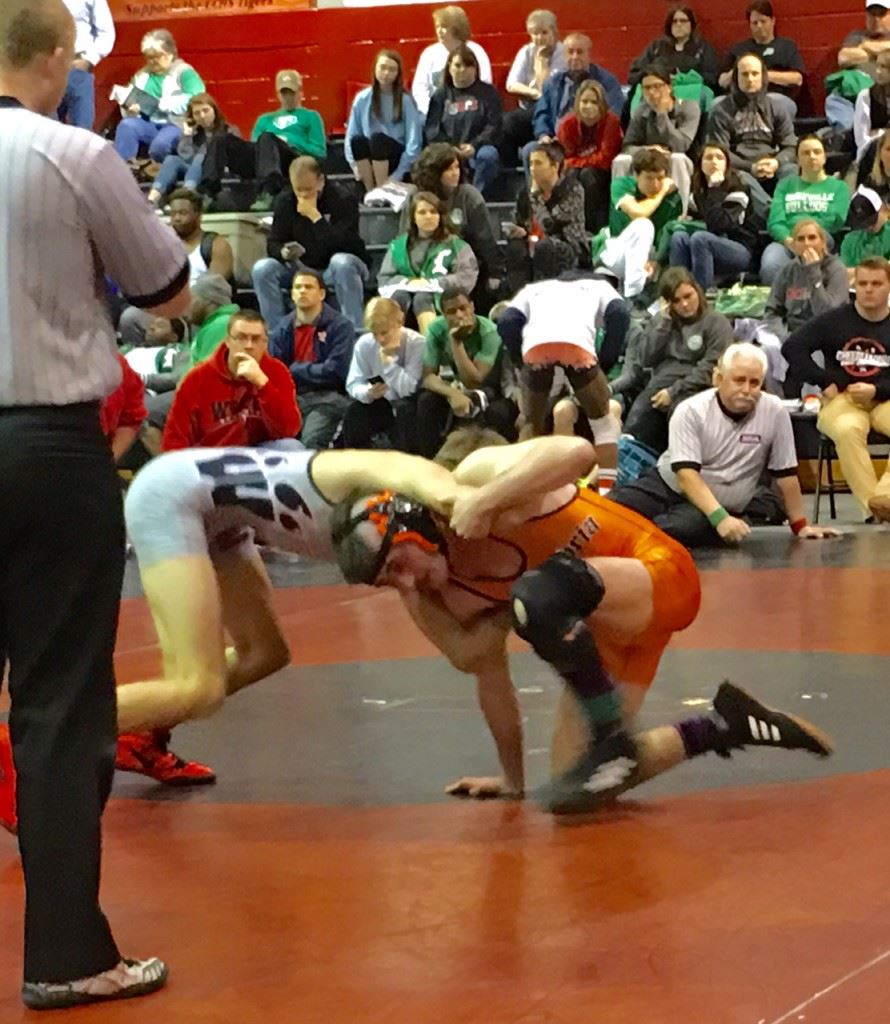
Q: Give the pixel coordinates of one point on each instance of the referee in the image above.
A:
(70, 215)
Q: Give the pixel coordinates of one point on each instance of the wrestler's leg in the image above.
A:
(258, 644)
(184, 600)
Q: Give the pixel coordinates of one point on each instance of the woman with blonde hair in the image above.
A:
(591, 137)
(452, 30)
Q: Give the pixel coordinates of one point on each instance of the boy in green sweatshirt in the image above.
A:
(869, 223)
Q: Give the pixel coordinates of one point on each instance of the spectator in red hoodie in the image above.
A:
(239, 396)
(123, 411)
(591, 137)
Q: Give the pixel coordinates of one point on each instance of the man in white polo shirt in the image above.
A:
(721, 440)
(70, 216)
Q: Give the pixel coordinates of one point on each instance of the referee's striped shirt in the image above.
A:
(70, 215)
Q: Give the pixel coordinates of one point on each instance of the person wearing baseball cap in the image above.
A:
(278, 137)
(869, 223)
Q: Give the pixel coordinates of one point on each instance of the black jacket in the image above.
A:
(470, 115)
(337, 231)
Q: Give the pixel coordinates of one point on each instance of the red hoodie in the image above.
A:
(124, 407)
(213, 409)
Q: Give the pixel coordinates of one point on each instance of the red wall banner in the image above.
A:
(125, 10)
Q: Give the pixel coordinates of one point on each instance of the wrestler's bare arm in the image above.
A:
(338, 473)
(479, 648)
(518, 480)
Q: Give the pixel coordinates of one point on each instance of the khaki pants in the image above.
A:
(848, 424)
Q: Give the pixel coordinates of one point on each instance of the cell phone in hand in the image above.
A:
(375, 379)
(295, 250)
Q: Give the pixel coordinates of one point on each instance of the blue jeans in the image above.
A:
(706, 255)
(486, 163)
(78, 106)
(132, 132)
(346, 275)
(175, 168)
(839, 111)
(775, 256)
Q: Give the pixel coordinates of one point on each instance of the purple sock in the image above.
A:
(701, 736)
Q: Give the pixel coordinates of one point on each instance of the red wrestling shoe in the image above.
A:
(8, 817)
(147, 753)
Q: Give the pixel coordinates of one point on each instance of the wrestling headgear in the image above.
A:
(398, 520)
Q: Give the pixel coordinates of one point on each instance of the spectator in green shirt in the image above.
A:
(641, 205)
(209, 316)
(869, 222)
(462, 372)
(811, 195)
(277, 139)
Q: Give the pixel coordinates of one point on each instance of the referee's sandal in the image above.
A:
(130, 978)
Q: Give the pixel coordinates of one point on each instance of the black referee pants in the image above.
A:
(61, 567)
(672, 512)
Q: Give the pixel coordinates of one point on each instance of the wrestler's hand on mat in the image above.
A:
(484, 788)
(733, 530)
(470, 516)
(819, 532)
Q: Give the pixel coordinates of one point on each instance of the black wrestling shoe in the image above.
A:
(752, 724)
(607, 769)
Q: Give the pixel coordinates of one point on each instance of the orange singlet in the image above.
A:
(591, 526)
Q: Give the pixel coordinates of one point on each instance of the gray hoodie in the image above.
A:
(675, 129)
(804, 290)
(681, 357)
(751, 126)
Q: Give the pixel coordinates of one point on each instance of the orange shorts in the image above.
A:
(676, 598)
(560, 353)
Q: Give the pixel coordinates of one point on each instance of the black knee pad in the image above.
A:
(548, 601)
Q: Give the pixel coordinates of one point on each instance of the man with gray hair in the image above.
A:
(70, 216)
(720, 442)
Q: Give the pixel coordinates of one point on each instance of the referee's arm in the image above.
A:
(143, 256)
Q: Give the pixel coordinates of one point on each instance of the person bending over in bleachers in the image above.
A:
(428, 259)
(854, 341)
(316, 342)
(554, 324)
(721, 442)
(452, 30)
(314, 226)
(384, 377)
(680, 348)
(548, 236)
(720, 201)
(240, 396)
(438, 170)
(755, 127)
(462, 375)
(157, 100)
(277, 139)
(591, 137)
(532, 66)
(810, 194)
(811, 283)
(642, 205)
(384, 134)
(663, 122)
(467, 111)
(203, 120)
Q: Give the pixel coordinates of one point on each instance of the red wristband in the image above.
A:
(798, 525)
